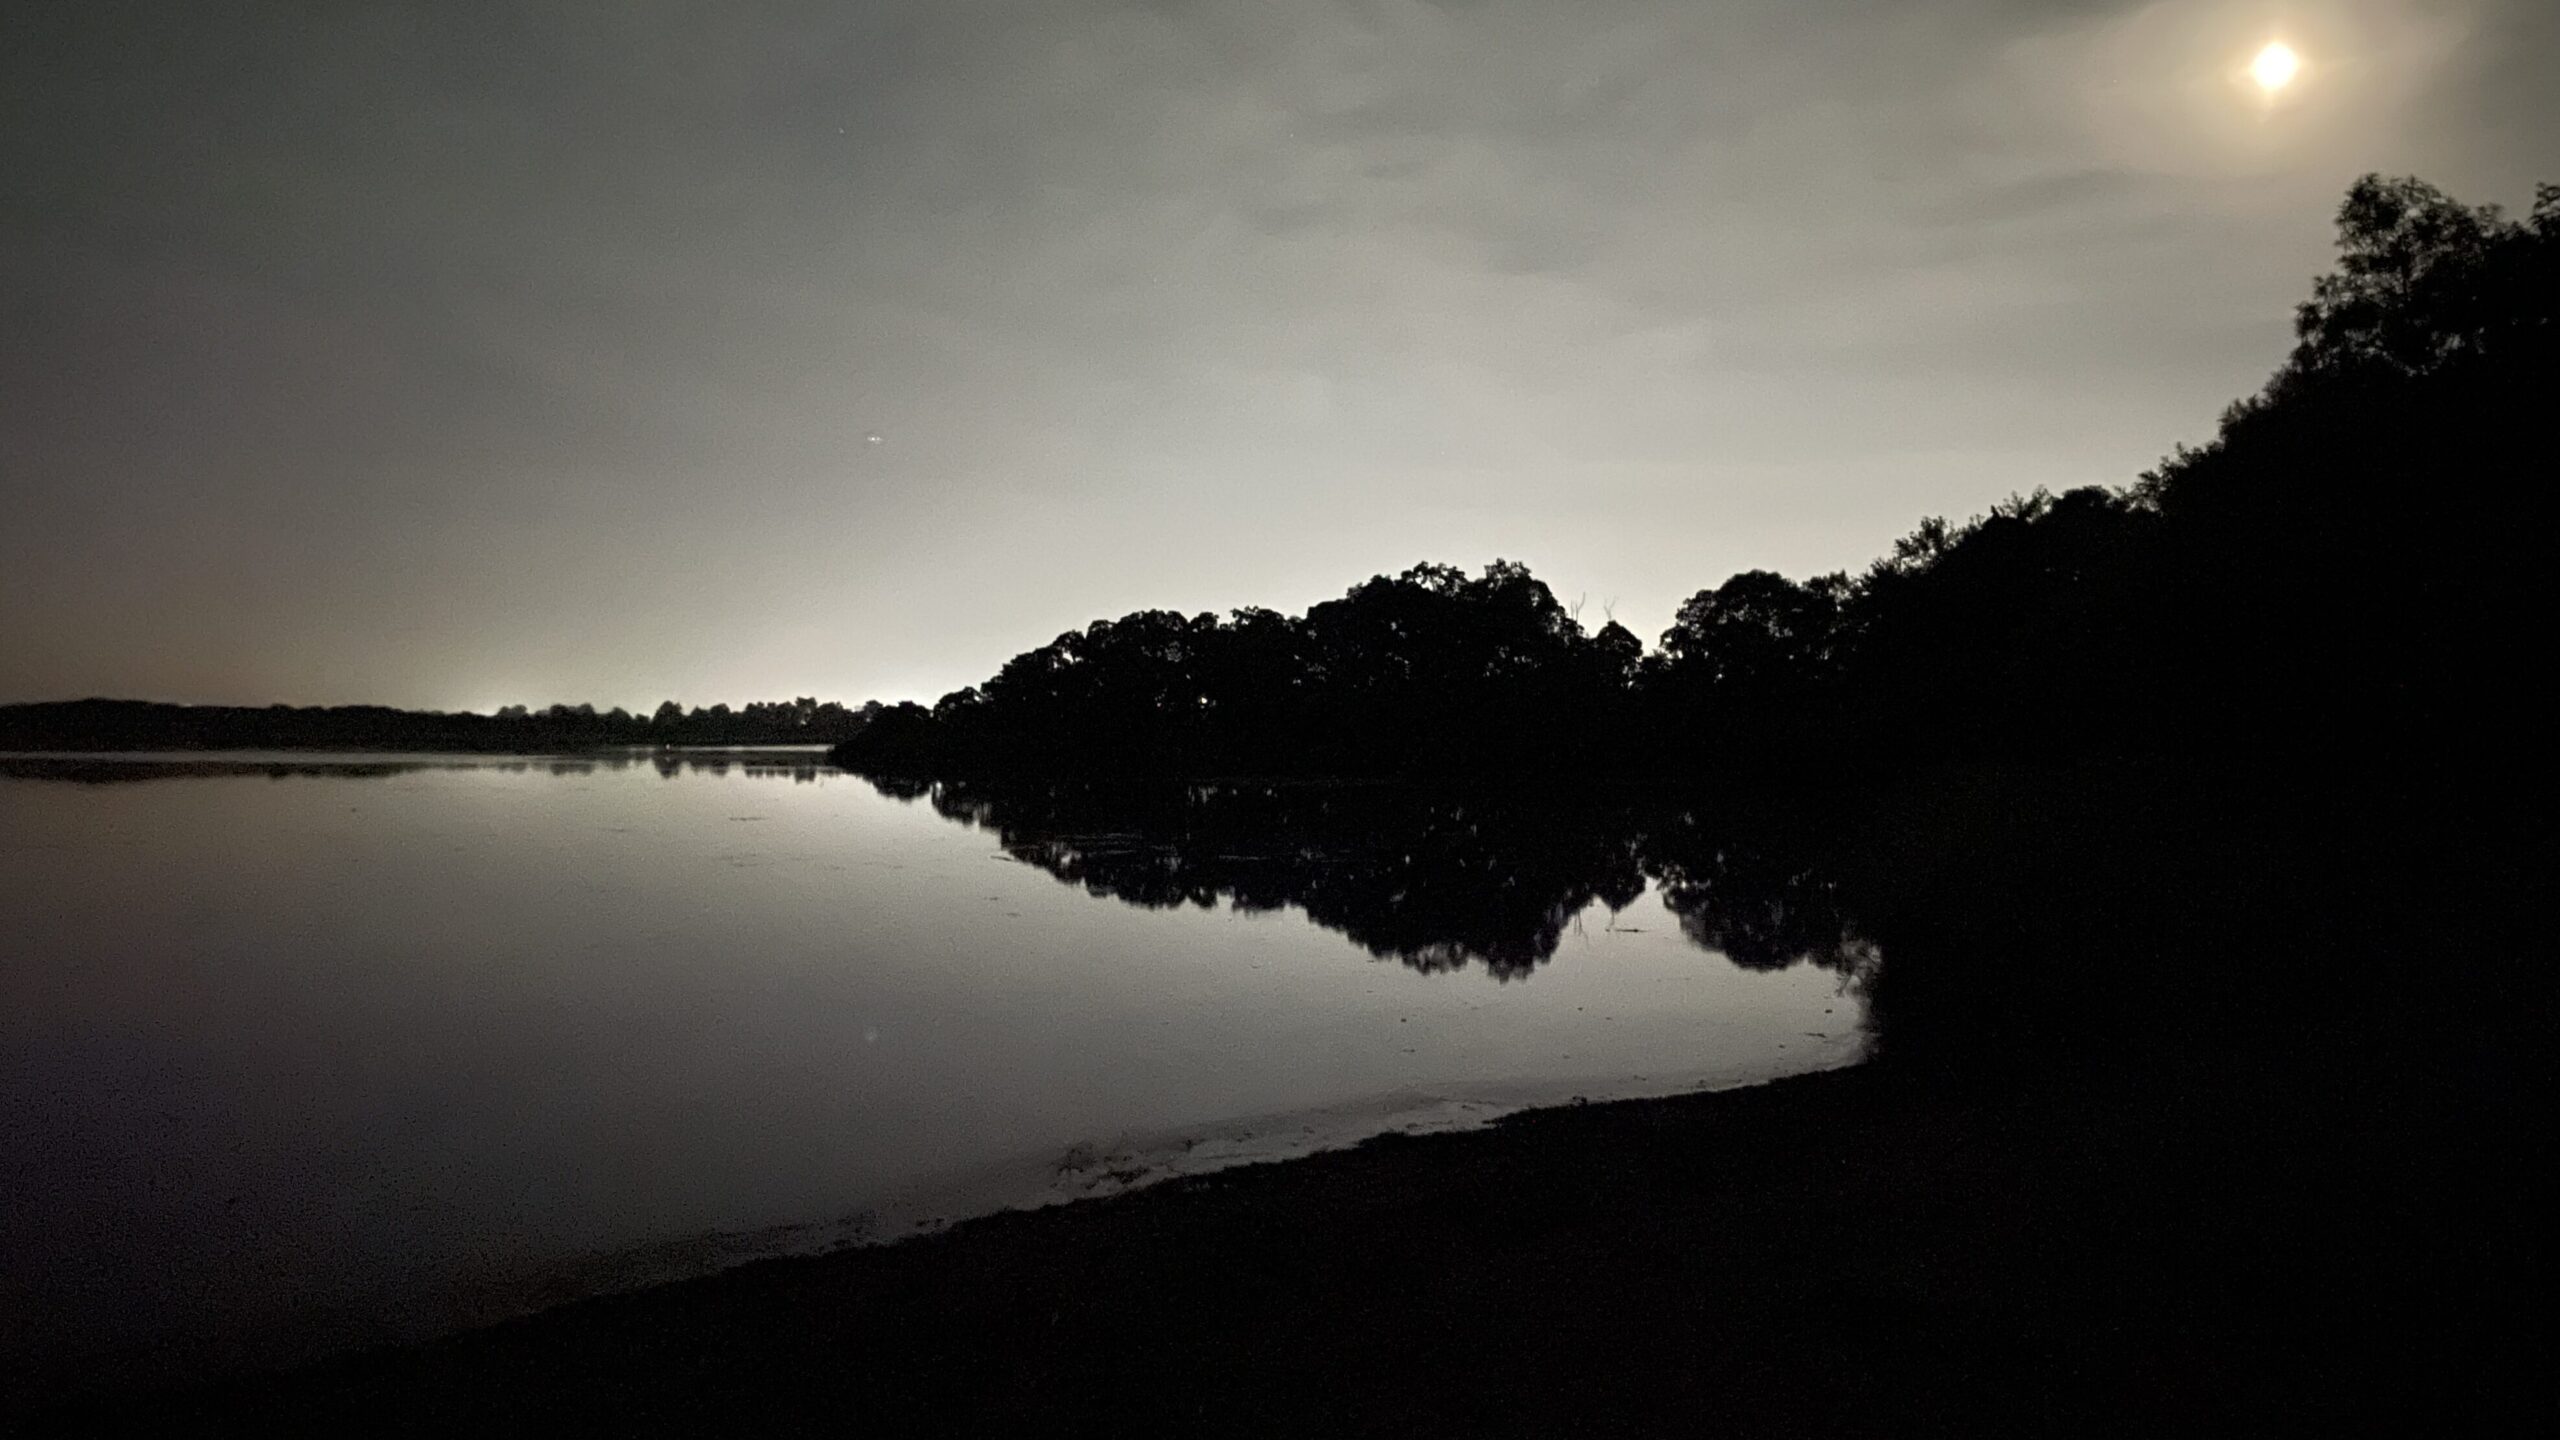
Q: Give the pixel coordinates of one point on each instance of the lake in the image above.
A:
(307, 1051)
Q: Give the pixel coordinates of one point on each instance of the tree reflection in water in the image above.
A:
(800, 766)
(1437, 880)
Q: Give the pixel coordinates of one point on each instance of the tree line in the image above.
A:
(140, 724)
(2340, 577)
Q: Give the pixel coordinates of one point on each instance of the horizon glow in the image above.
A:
(849, 350)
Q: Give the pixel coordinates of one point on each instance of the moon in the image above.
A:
(2275, 67)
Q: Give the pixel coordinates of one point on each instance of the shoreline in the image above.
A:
(439, 1308)
(1847, 1251)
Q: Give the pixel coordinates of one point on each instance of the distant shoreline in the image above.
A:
(143, 764)
(125, 725)
(145, 752)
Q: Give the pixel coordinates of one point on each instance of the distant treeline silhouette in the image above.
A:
(2345, 573)
(145, 725)
(800, 767)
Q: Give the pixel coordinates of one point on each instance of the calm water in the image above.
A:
(300, 1051)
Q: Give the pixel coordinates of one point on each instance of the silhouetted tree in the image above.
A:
(2327, 613)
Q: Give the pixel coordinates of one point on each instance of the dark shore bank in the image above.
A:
(1857, 1252)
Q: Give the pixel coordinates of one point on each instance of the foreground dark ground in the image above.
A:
(1854, 1252)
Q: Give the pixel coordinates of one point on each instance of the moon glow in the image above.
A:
(2275, 67)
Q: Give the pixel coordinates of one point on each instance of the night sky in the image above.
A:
(457, 354)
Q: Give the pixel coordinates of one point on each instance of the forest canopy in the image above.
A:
(2339, 573)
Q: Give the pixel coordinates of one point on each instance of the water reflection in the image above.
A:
(1757, 904)
(289, 1060)
(801, 770)
(1435, 880)
(800, 765)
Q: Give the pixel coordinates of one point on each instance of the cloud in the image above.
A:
(574, 301)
